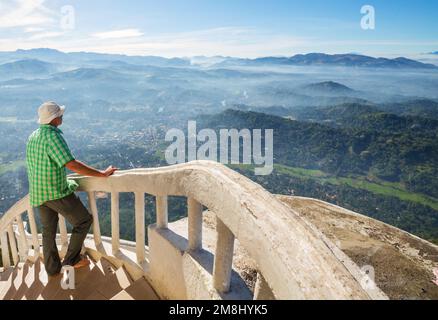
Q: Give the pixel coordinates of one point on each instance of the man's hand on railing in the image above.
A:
(110, 171)
(83, 169)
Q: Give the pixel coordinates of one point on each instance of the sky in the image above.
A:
(240, 28)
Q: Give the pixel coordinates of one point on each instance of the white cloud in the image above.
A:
(236, 41)
(226, 41)
(45, 35)
(118, 34)
(33, 29)
(24, 13)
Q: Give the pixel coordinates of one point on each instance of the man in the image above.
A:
(51, 193)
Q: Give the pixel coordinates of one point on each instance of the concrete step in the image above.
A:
(139, 290)
(80, 276)
(53, 289)
(96, 277)
(115, 283)
(16, 287)
(96, 295)
(22, 282)
(98, 281)
(6, 279)
(35, 280)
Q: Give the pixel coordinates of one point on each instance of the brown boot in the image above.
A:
(82, 263)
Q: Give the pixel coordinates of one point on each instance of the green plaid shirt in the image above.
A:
(46, 156)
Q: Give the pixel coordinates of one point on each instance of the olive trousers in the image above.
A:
(72, 209)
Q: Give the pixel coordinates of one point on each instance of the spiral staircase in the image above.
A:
(294, 260)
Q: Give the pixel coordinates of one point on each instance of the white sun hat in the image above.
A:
(49, 111)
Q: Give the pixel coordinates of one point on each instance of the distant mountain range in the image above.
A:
(311, 59)
(322, 59)
(29, 67)
(328, 87)
(55, 56)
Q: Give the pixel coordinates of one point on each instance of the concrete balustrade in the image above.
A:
(262, 291)
(13, 244)
(64, 237)
(115, 222)
(34, 232)
(96, 225)
(162, 212)
(5, 250)
(195, 224)
(140, 226)
(180, 268)
(223, 258)
(23, 247)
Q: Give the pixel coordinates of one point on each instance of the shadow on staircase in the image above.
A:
(98, 281)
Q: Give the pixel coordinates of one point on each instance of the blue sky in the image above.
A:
(244, 28)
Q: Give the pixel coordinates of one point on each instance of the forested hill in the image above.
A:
(390, 175)
(368, 117)
(392, 155)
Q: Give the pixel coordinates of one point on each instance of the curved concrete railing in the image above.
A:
(293, 261)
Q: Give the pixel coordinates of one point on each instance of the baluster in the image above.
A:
(5, 250)
(63, 232)
(23, 246)
(115, 228)
(95, 214)
(13, 244)
(195, 224)
(262, 291)
(34, 232)
(139, 226)
(223, 259)
(162, 212)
